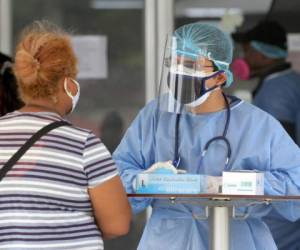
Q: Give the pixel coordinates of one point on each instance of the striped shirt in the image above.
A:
(44, 201)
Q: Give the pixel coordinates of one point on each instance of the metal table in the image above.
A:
(219, 208)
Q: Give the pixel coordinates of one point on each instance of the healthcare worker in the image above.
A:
(190, 116)
(278, 89)
(278, 93)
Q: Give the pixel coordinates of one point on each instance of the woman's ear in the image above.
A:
(221, 78)
(61, 84)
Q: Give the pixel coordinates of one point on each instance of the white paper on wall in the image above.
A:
(91, 51)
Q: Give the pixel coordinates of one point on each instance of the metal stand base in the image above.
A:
(219, 228)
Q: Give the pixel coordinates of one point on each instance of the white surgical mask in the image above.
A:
(73, 98)
(201, 99)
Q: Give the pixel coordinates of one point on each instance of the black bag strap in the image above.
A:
(9, 164)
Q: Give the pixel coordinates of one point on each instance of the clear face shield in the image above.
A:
(185, 79)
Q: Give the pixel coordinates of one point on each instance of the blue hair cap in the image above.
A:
(199, 39)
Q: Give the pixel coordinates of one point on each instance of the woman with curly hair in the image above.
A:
(64, 192)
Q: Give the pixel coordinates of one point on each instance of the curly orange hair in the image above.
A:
(44, 55)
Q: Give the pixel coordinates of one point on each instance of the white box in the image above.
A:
(243, 182)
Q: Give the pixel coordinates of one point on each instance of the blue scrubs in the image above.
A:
(285, 233)
(258, 142)
(280, 96)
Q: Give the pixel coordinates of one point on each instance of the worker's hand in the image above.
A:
(213, 184)
(163, 167)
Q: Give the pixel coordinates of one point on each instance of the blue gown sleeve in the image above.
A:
(136, 153)
(284, 173)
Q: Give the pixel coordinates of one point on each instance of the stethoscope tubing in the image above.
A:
(222, 137)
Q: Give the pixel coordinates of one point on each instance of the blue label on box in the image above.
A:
(169, 184)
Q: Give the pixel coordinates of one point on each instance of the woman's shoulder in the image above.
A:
(33, 121)
(81, 133)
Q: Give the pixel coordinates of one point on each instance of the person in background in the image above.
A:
(9, 98)
(111, 130)
(64, 192)
(278, 93)
(278, 90)
(196, 127)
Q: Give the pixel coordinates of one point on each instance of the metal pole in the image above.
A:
(165, 26)
(150, 49)
(5, 26)
(159, 21)
(219, 228)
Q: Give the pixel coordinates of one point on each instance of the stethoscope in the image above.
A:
(222, 137)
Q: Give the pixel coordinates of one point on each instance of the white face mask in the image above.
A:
(201, 99)
(73, 98)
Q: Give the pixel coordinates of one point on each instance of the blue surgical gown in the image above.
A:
(258, 142)
(279, 95)
(285, 233)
